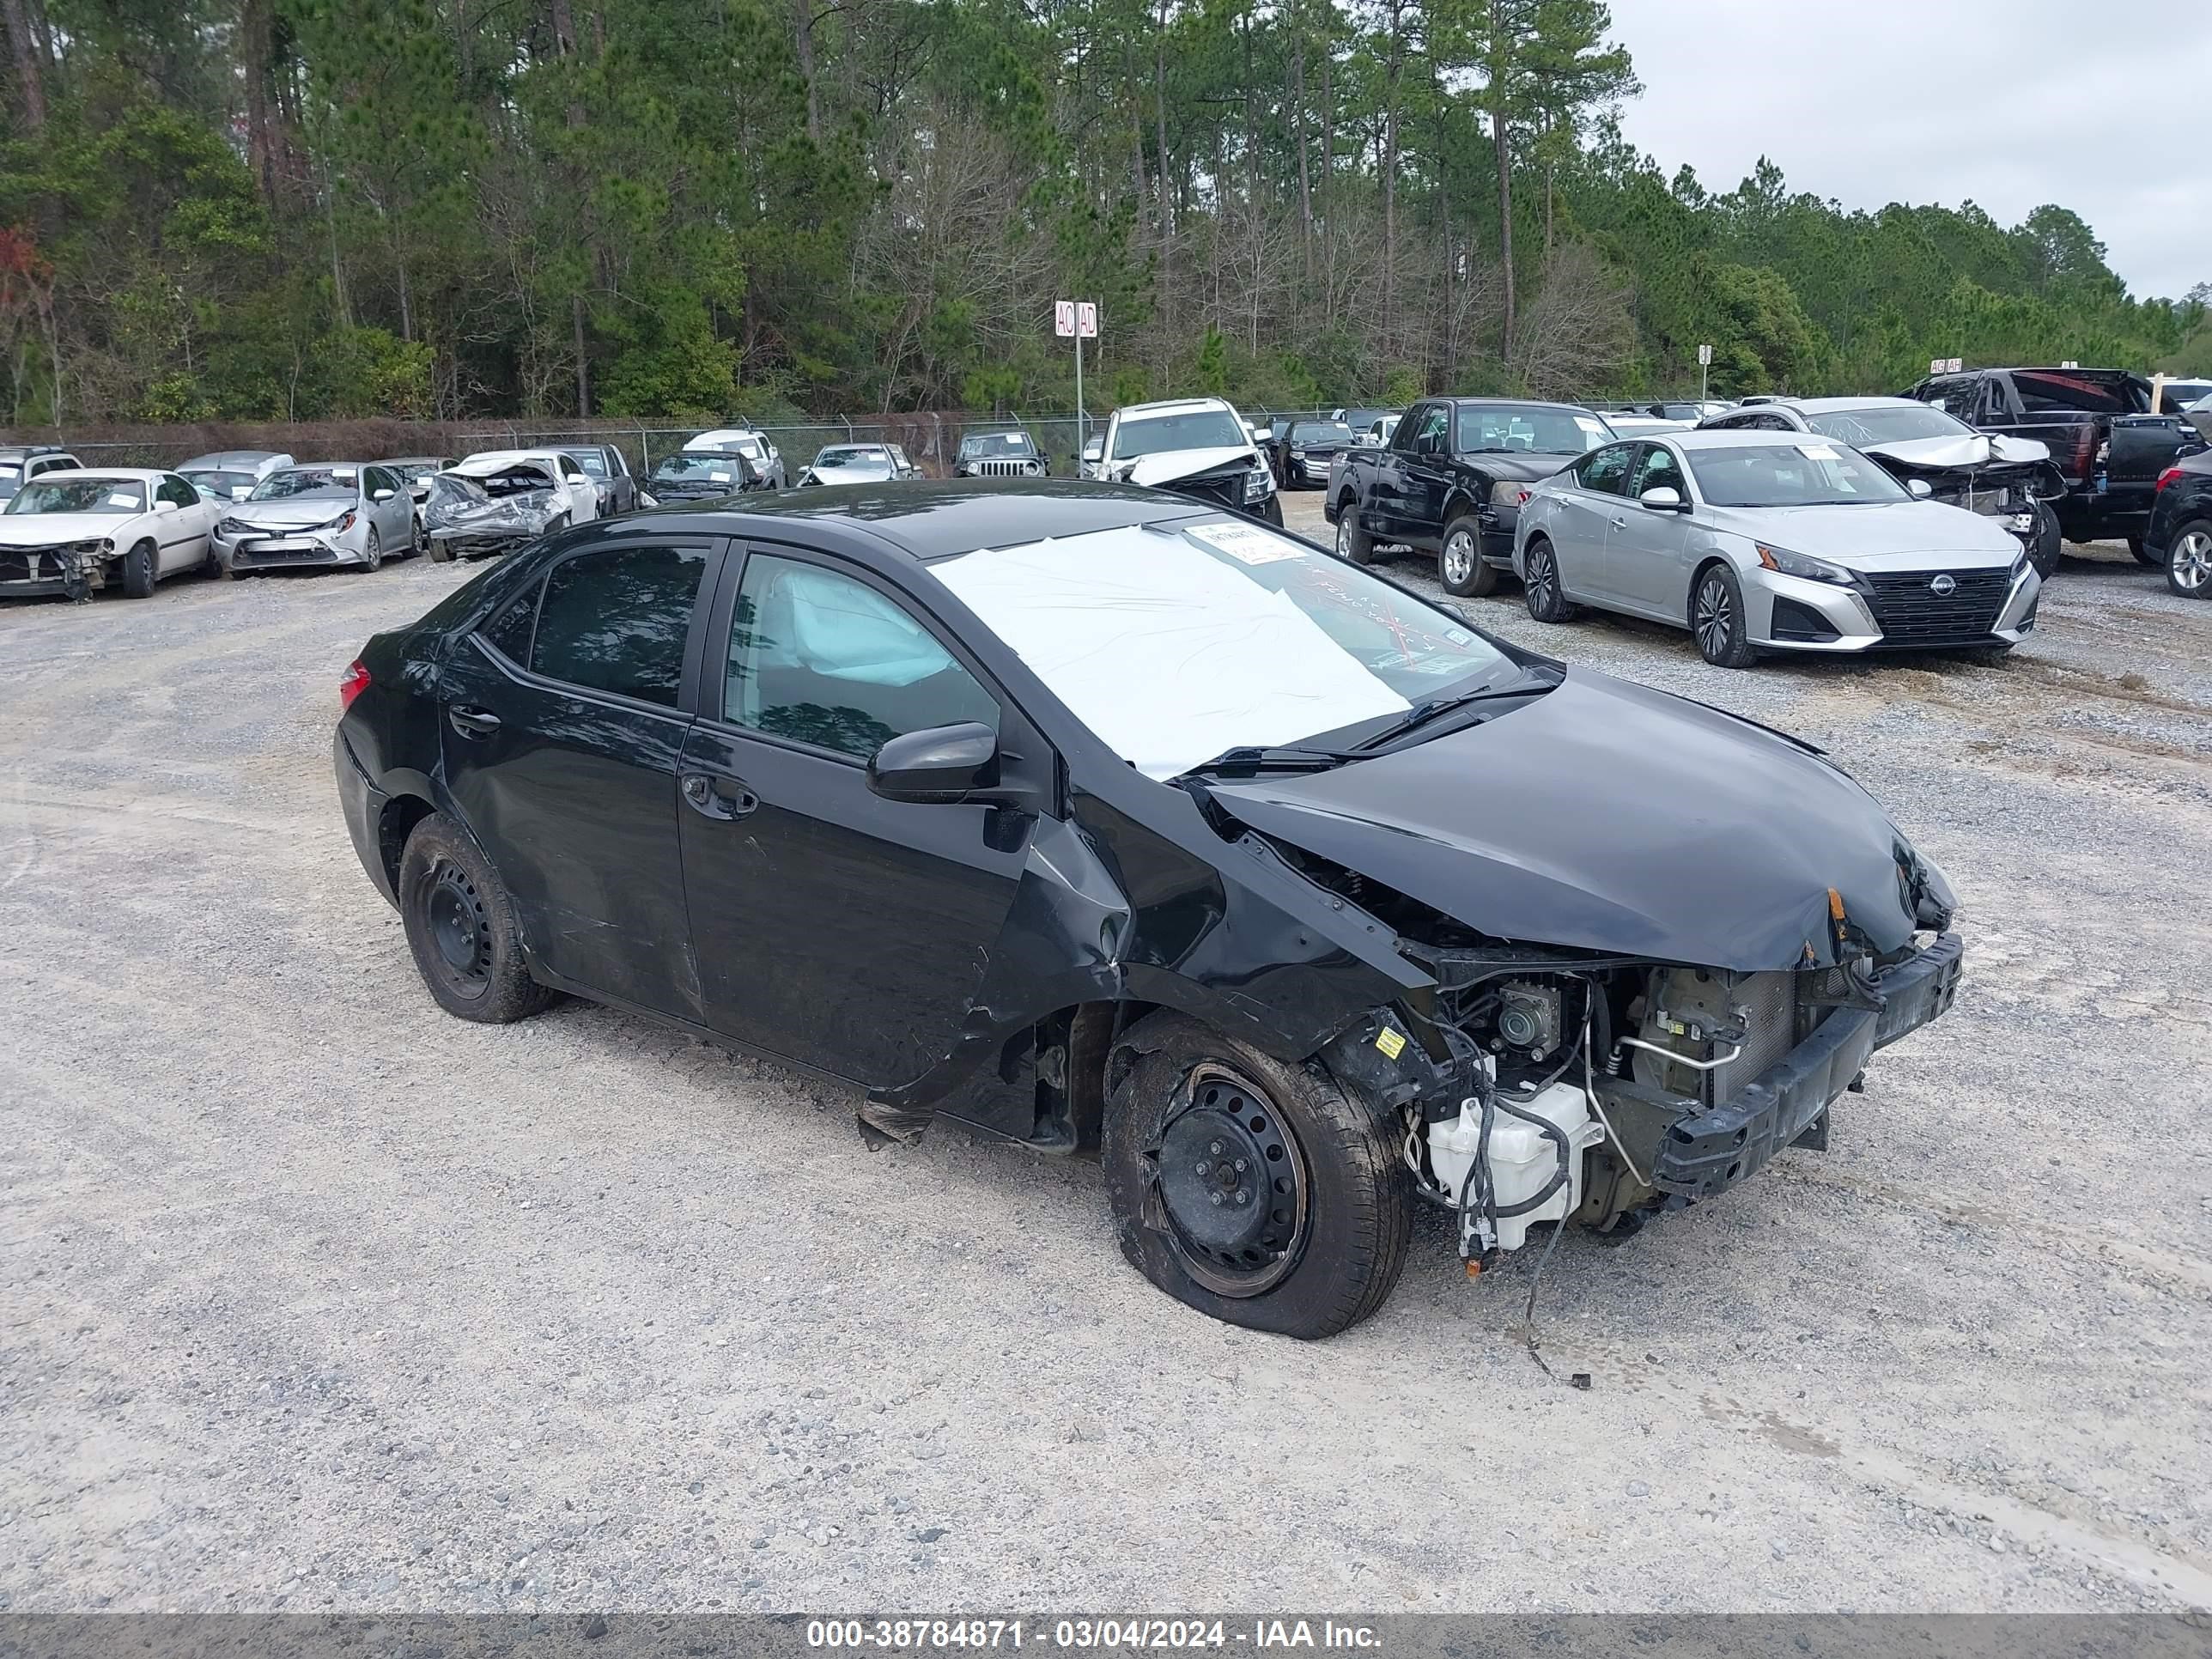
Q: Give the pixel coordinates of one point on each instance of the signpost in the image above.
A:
(1077, 319)
(1705, 367)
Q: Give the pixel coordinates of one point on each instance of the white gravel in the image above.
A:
(314, 1297)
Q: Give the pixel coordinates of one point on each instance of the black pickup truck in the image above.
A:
(1452, 480)
(2097, 424)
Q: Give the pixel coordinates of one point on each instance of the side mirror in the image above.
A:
(163, 504)
(1663, 498)
(380, 496)
(940, 765)
(1919, 488)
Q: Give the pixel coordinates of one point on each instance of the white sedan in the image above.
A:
(574, 497)
(70, 532)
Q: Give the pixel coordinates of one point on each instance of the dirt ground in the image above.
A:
(311, 1297)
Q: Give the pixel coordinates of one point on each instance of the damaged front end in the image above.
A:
(478, 530)
(72, 569)
(2002, 478)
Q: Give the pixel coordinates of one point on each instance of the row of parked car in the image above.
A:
(1835, 524)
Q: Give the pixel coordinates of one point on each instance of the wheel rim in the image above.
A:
(459, 928)
(2193, 562)
(1231, 1182)
(1344, 534)
(1459, 557)
(1541, 582)
(375, 555)
(1716, 620)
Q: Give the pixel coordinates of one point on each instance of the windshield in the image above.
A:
(996, 443)
(80, 495)
(1530, 428)
(1175, 645)
(315, 482)
(700, 466)
(1320, 432)
(591, 460)
(1792, 475)
(224, 484)
(1197, 428)
(1887, 425)
(852, 455)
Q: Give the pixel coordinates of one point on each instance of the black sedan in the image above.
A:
(1110, 823)
(2180, 532)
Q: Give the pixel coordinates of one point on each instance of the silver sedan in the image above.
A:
(338, 513)
(1758, 543)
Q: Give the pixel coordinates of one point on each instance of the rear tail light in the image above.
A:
(355, 682)
(2171, 474)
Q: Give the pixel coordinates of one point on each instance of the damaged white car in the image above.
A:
(495, 502)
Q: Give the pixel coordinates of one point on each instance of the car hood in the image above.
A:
(47, 529)
(528, 510)
(1859, 535)
(1606, 817)
(1966, 450)
(877, 473)
(288, 515)
(1173, 465)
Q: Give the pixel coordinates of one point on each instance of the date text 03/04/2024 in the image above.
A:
(1088, 1634)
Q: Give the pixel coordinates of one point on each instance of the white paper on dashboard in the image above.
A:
(1167, 655)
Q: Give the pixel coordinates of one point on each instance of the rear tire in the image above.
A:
(1540, 585)
(140, 570)
(1718, 620)
(372, 552)
(2144, 554)
(1325, 1243)
(2189, 561)
(1465, 574)
(1351, 542)
(460, 925)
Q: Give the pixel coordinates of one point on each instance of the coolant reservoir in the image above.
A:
(1522, 1159)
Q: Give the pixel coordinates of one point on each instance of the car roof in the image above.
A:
(1519, 402)
(28, 451)
(226, 459)
(494, 458)
(928, 520)
(1170, 407)
(136, 474)
(1833, 405)
(1731, 438)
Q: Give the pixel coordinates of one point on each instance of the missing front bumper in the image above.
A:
(1707, 1152)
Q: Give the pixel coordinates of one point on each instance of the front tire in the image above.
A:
(372, 552)
(1465, 574)
(2049, 547)
(1717, 619)
(1351, 542)
(140, 571)
(460, 925)
(1256, 1192)
(2189, 561)
(1540, 584)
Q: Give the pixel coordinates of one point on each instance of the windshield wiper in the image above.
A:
(1528, 685)
(1247, 762)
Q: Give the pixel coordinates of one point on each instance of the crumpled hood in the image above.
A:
(529, 510)
(291, 513)
(1858, 535)
(1968, 449)
(1606, 817)
(862, 472)
(51, 529)
(1171, 466)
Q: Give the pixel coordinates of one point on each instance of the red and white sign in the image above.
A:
(1063, 318)
(1086, 320)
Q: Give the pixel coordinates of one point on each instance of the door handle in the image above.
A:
(717, 797)
(1621, 524)
(472, 722)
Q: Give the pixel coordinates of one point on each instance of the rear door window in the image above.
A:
(1606, 471)
(616, 621)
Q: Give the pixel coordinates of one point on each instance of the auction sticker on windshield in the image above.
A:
(1246, 544)
(1817, 452)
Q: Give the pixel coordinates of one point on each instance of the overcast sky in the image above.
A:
(2101, 105)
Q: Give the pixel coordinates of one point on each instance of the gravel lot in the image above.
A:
(315, 1297)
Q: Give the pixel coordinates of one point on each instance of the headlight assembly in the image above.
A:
(1797, 564)
(1257, 484)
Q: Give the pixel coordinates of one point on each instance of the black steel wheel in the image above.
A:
(1717, 619)
(460, 926)
(1540, 583)
(1260, 1193)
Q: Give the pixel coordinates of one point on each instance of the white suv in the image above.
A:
(1195, 446)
